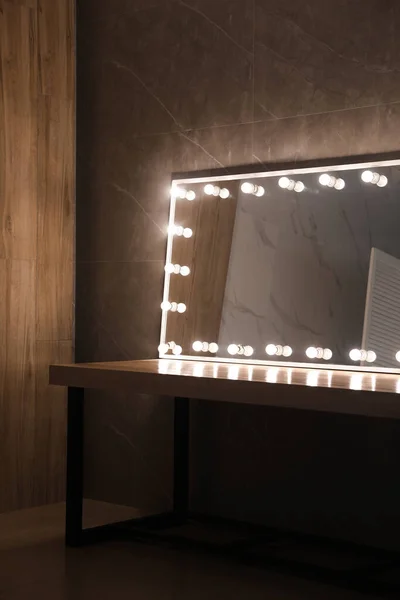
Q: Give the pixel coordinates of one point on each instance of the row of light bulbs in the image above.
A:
(325, 180)
(271, 349)
(177, 269)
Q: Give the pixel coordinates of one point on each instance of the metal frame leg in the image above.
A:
(73, 525)
(181, 457)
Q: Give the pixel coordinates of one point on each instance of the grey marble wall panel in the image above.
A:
(182, 85)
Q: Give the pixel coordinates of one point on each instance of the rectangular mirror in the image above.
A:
(291, 267)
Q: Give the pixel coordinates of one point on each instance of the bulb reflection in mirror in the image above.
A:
(177, 350)
(190, 195)
(252, 188)
(224, 193)
(383, 181)
(248, 351)
(213, 348)
(371, 356)
(187, 232)
(181, 308)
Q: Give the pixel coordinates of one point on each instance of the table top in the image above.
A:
(349, 392)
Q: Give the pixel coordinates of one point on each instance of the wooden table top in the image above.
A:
(350, 392)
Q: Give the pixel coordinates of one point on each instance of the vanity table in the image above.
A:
(347, 392)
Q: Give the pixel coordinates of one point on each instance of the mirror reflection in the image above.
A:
(293, 267)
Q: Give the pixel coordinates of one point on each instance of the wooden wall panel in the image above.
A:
(18, 51)
(36, 244)
(55, 219)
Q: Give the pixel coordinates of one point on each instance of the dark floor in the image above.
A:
(35, 564)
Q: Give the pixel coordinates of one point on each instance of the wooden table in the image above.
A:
(347, 392)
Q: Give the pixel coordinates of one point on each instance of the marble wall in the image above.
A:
(176, 85)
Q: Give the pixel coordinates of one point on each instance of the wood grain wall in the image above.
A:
(36, 244)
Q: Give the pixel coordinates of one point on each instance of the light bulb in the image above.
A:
(299, 186)
(260, 191)
(209, 189)
(174, 306)
(169, 268)
(163, 348)
(187, 232)
(216, 190)
(371, 356)
(224, 193)
(383, 180)
(177, 350)
(177, 268)
(181, 307)
(176, 230)
(340, 184)
(248, 351)
(166, 305)
(271, 349)
(204, 346)
(311, 352)
(213, 348)
(367, 176)
(247, 187)
(180, 193)
(320, 353)
(197, 346)
(355, 354)
(185, 271)
(190, 195)
(284, 182)
(171, 345)
(324, 179)
(398, 356)
(233, 349)
(287, 351)
(327, 354)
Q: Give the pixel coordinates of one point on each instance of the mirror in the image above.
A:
(299, 266)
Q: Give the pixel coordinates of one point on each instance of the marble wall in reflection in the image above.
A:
(299, 264)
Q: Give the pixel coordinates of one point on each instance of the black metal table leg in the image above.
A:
(73, 526)
(181, 457)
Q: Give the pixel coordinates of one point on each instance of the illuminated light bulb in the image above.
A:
(248, 351)
(171, 345)
(383, 180)
(224, 193)
(190, 195)
(204, 346)
(174, 306)
(169, 268)
(271, 350)
(233, 349)
(181, 308)
(284, 183)
(327, 354)
(209, 189)
(166, 305)
(197, 346)
(398, 356)
(180, 193)
(260, 191)
(216, 190)
(279, 350)
(187, 232)
(367, 176)
(163, 348)
(324, 179)
(177, 269)
(287, 351)
(371, 356)
(299, 186)
(320, 353)
(355, 354)
(177, 350)
(248, 188)
(311, 352)
(176, 230)
(185, 271)
(213, 348)
(339, 184)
